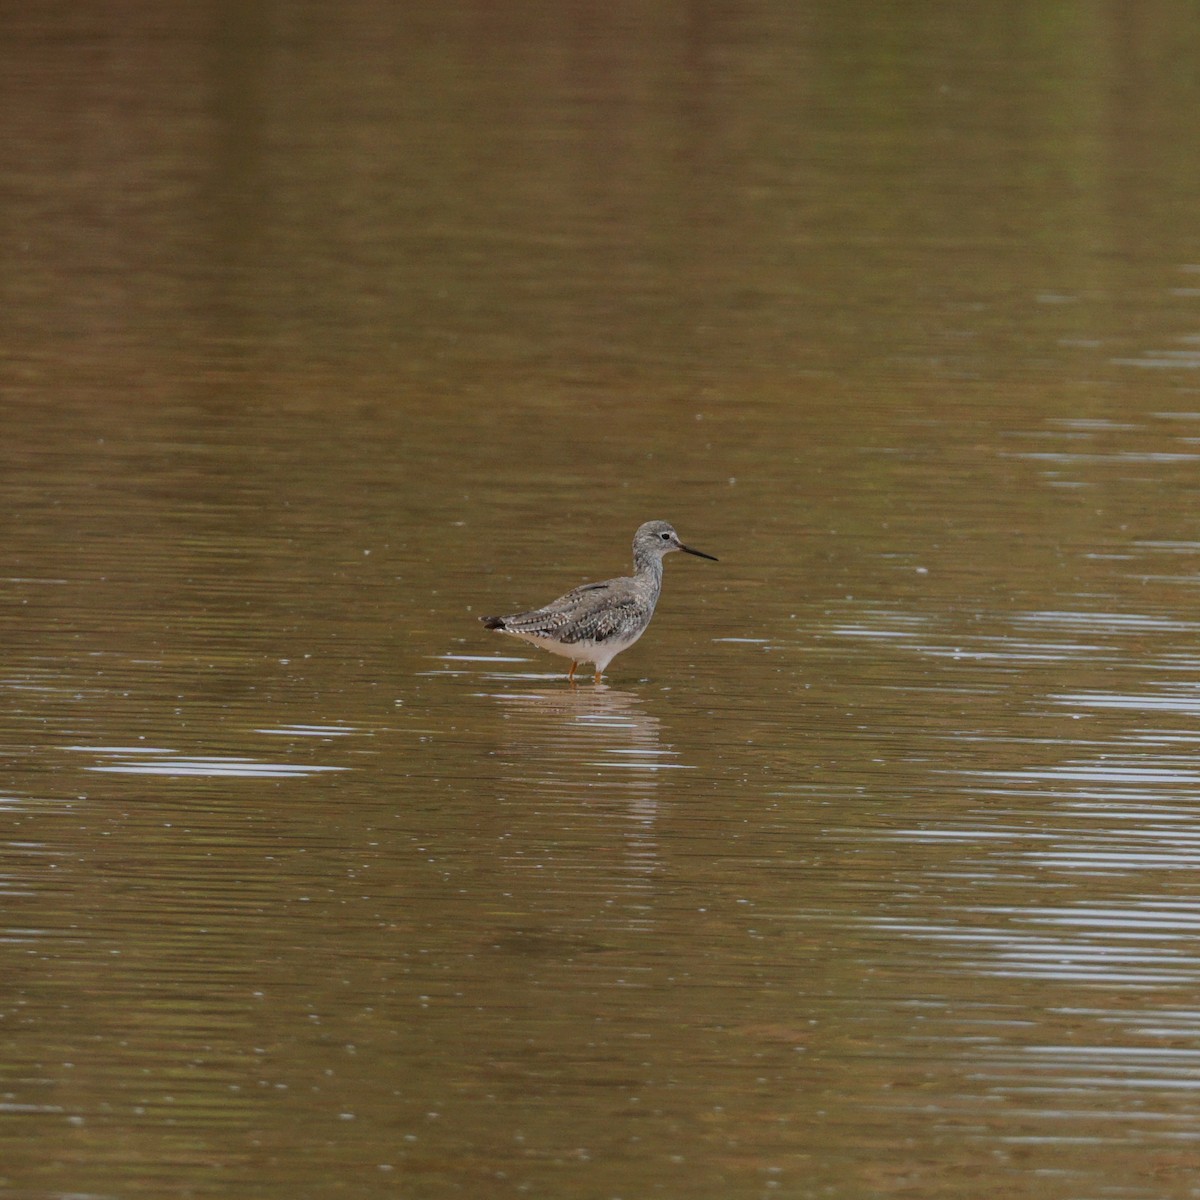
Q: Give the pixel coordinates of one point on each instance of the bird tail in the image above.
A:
(493, 622)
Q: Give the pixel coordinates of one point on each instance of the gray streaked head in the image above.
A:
(656, 538)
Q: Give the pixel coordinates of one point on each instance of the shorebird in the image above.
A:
(595, 622)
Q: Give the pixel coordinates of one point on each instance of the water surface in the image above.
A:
(869, 871)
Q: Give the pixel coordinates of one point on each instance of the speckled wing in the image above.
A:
(594, 612)
(619, 618)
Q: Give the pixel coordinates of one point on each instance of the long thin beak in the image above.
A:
(698, 553)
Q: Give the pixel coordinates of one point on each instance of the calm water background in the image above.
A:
(871, 871)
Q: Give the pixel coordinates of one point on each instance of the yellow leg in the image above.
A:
(596, 677)
(571, 673)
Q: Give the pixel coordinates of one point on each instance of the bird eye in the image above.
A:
(666, 537)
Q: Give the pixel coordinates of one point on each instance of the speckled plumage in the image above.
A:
(596, 621)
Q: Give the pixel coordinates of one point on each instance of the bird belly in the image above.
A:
(583, 650)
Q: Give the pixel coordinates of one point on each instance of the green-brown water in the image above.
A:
(870, 871)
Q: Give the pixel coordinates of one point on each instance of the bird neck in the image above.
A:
(648, 565)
